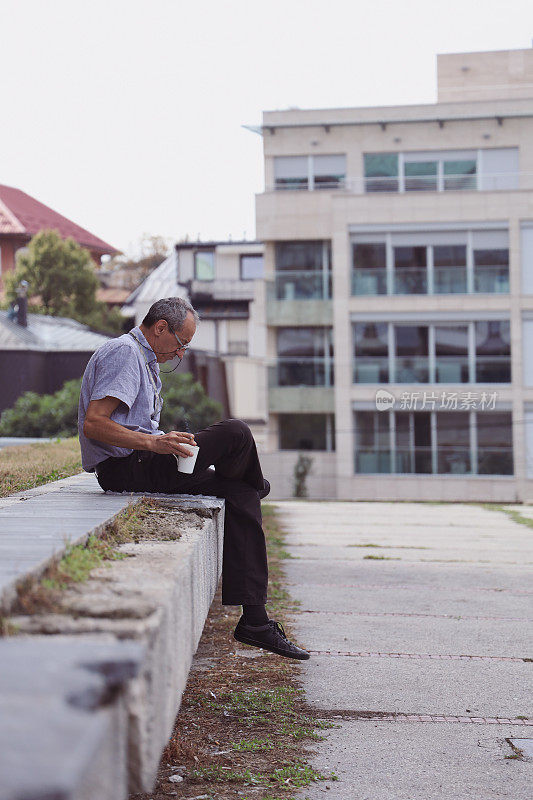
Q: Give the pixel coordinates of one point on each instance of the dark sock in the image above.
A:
(255, 615)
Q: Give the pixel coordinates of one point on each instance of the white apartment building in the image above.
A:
(398, 249)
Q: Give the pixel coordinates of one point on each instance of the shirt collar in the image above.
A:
(141, 338)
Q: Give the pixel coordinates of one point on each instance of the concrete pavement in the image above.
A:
(422, 654)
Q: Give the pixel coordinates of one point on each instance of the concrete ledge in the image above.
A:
(155, 604)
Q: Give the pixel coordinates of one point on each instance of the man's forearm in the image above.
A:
(108, 431)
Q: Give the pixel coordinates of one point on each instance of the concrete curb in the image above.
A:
(68, 730)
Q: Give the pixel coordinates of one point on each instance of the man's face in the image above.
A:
(171, 344)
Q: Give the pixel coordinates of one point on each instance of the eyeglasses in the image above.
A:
(181, 345)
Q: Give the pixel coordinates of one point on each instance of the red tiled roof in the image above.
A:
(20, 213)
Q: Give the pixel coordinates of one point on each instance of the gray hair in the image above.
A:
(172, 309)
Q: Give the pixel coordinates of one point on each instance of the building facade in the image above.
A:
(398, 249)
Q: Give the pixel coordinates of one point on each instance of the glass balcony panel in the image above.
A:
(493, 369)
(491, 279)
(369, 281)
(453, 460)
(371, 369)
(329, 181)
(449, 280)
(412, 280)
(291, 183)
(420, 176)
(413, 460)
(303, 285)
(460, 175)
(495, 461)
(452, 369)
(412, 369)
(373, 461)
(301, 372)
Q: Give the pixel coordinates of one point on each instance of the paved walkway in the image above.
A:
(420, 646)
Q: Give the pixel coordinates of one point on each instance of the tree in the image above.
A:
(62, 274)
(185, 404)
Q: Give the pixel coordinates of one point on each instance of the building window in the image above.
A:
(204, 265)
(449, 269)
(369, 268)
(442, 171)
(306, 432)
(411, 354)
(449, 262)
(371, 352)
(312, 172)
(468, 352)
(303, 270)
(305, 357)
(381, 172)
(493, 351)
(410, 270)
(434, 442)
(252, 267)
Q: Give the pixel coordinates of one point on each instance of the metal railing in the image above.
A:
(224, 289)
(301, 371)
(300, 285)
(443, 460)
(418, 369)
(446, 280)
(454, 182)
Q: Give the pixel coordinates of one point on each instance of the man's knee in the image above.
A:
(238, 426)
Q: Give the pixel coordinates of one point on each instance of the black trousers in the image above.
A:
(230, 447)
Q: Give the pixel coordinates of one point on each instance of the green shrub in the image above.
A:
(185, 404)
(44, 415)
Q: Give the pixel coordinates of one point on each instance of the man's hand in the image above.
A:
(173, 443)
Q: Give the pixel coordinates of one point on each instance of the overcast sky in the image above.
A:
(126, 115)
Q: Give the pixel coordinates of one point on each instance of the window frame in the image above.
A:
(203, 251)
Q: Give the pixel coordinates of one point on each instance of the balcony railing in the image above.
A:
(418, 369)
(446, 280)
(371, 369)
(493, 280)
(301, 371)
(300, 285)
(223, 289)
(412, 369)
(369, 281)
(410, 280)
(493, 369)
(450, 280)
(443, 460)
(454, 182)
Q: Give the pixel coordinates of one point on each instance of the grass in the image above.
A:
(28, 466)
(516, 516)
(36, 595)
(244, 728)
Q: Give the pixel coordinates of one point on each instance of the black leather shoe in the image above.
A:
(270, 637)
(265, 490)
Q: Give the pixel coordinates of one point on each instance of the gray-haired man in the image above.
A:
(118, 422)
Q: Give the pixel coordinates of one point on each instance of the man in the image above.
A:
(118, 422)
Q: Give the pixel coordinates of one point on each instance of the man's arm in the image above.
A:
(99, 425)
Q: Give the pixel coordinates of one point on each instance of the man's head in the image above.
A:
(169, 326)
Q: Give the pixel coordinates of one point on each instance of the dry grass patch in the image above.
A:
(148, 519)
(244, 728)
(27, 466)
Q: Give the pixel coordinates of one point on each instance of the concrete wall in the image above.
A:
(278, 468)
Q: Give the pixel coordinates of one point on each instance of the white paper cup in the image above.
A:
(186, 463)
